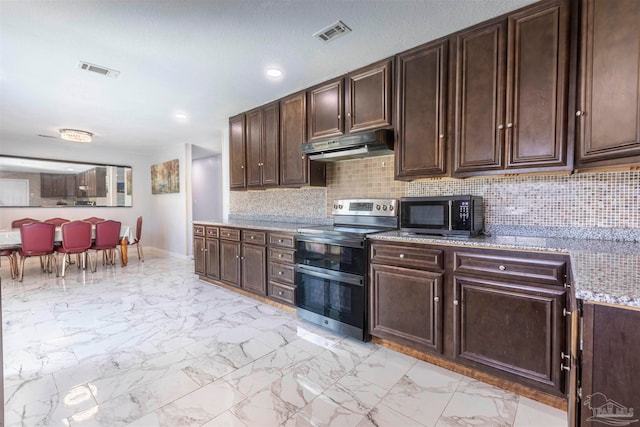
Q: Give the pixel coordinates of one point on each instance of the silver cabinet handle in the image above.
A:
(441, 136)
(402, 256)
(579, 113)
(252, 237)
(280, 240)
(241, 166)
(280, 293)
(502, 268)
(500, 127)
(455, 302)
(436, 299)
(280, 273)
(279, 255)
(509, 125)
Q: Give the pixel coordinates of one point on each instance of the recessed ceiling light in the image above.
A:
(274, 72)
(75, 135)
(181, 116)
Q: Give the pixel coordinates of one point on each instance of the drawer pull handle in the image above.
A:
(502, 268)
(280, 293)
(252, 237)
(402, 256)
(279, 255)
(280, 273)
(280, 240)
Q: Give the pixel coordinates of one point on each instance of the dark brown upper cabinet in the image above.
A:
(421, 112)
(358, 102)
(237, 170)
(608, 113)
(512, 93)
(295, 168)
(263, 143)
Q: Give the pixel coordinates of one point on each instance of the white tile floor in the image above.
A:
(150, 345)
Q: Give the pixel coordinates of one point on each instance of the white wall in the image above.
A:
(206, 188)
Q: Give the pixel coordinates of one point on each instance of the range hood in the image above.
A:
(356, 146)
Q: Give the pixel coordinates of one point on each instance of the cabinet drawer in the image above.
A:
(211, 232)
(282, 272)
(285, 294)
(282, 255)
(282, 240)
(198, 230)
(254, 237)
(230, 234)
(418, 256)
(543, 271)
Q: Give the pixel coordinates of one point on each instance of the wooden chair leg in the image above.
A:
(13, 265)
(21, 267)
(140, 253)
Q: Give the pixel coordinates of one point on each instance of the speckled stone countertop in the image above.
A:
(289, 227)
(603, 270)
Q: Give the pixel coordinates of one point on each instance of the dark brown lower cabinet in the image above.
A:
(516, 329)
(610, 365)
(212, 258)
(405, 306)
(254, 277)
(230, 262)
(199, 255)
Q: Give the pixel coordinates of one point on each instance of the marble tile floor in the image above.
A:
(151, 345)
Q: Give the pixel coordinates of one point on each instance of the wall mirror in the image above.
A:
(30, 182)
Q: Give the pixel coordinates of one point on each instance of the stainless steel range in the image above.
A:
(331, 264)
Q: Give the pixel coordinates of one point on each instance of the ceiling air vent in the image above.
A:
(109, 72)
(332, 32)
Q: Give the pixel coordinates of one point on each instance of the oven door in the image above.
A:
(332, 295)
(332, 253)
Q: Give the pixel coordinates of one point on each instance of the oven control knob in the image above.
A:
(391, 207)
(335, 206)
(339, 206)
(384, 207)
(377, 207)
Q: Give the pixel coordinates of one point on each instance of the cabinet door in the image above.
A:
(480, 95)
(254, 144)
(199, 255)
(254, 269)
(609, 106)
(537, 87)
(47, 184)
(91, 182)
(101, 182)
(213, 258)
(369, 97)
(517, 330)
(237, 174)
(230, 262)
(610, 364)
(70, 185)
(405, 306)
(421, 112)
(293, 164)
(271, 145)
(326, 110)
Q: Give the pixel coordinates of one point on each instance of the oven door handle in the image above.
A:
(351, 279)
(336, 241)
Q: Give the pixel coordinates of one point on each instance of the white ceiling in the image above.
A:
(205, 58)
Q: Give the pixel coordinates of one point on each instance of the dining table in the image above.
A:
(11, 238)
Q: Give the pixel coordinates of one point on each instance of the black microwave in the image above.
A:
(446, 215)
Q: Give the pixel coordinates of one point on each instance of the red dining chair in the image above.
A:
(37, 240)
(76, 239)
(107, 239)
(56, 221)
(93, 220)
(138, 238)
(10, 253)
(18, 222)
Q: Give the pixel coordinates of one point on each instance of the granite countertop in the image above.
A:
(289, 227)
(603, 270)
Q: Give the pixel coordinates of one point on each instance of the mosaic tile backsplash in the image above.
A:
(604, 205)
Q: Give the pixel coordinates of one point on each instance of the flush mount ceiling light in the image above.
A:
(274, 72)
(75, 135)
(181, 116)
